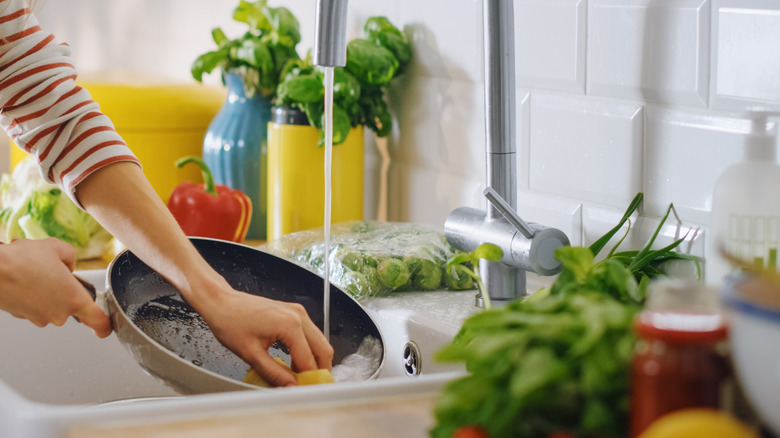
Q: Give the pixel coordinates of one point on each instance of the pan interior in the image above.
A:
(156, 307)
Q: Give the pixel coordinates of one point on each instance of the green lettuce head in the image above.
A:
(34, 209)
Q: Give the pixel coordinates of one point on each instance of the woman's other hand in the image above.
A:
(249, 325)
(37, 283)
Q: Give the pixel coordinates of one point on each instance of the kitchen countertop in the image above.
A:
(392, 417)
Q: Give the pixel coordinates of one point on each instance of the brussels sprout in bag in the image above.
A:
(371, 258)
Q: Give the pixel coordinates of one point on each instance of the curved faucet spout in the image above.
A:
(330, 33)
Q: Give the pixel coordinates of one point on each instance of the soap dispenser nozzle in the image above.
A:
(761, 142)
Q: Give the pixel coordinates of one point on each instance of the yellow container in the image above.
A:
(161, 122)
(296, 178)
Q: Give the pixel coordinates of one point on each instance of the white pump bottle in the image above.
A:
(745, 217)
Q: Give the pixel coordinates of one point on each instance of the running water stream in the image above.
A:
(327, 126)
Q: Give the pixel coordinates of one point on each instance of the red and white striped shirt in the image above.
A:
(42, 108)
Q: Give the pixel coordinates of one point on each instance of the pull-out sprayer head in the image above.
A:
(330, 33)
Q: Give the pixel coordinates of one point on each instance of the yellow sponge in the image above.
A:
(313, 377)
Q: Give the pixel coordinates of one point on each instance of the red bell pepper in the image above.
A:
(208, 209)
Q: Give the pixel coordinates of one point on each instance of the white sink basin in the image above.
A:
(415, 325)
(70, 366)
(54, 378)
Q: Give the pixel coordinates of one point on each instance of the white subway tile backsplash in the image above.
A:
(685, 152)
(614, 96)
(550, 44)
(649, 50)
(428, 196)
(358, 12)
(585, 148)
(447, 37)
(746, 54)
(552, 211)
(441, 126)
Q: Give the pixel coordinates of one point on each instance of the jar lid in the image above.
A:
(681, 327)
(682, 311)
(284, 115)
(151, 104)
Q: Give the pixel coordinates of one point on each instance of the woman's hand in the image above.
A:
(249, 324)
(37, 283)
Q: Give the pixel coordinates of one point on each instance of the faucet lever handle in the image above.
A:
(509, 213)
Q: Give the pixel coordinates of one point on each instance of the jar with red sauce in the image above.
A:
(681, 360)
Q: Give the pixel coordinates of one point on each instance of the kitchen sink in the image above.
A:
(53, 379)
(415, 325)
(68, 365)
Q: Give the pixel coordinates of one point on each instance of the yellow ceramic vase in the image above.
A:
(296, 177)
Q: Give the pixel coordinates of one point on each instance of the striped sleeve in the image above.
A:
(44, 111)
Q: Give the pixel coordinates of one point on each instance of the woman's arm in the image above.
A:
(123, 201)
(48, 115)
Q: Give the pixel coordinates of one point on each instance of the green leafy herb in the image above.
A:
(382, 32)
(260, 54)
(559, 360)
(468, 264)
(624, 275)
(370, 63)
(358, 88)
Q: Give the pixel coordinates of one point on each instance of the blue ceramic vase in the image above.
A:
(235, 148)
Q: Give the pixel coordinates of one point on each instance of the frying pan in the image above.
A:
(171, 341)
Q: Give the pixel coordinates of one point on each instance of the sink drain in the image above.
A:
(412, 360)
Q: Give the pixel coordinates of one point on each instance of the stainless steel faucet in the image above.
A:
(330, 33)
(527, 247)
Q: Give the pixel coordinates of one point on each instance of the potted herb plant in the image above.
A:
(359, 89)
(251, 66)
(359, 100)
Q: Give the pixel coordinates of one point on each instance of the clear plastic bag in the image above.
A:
(371, 258)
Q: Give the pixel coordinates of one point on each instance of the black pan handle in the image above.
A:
(89, 287)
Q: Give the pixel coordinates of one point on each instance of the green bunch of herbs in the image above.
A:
(260, 54)
(559, 360)
(467, 265)
(359, 88)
